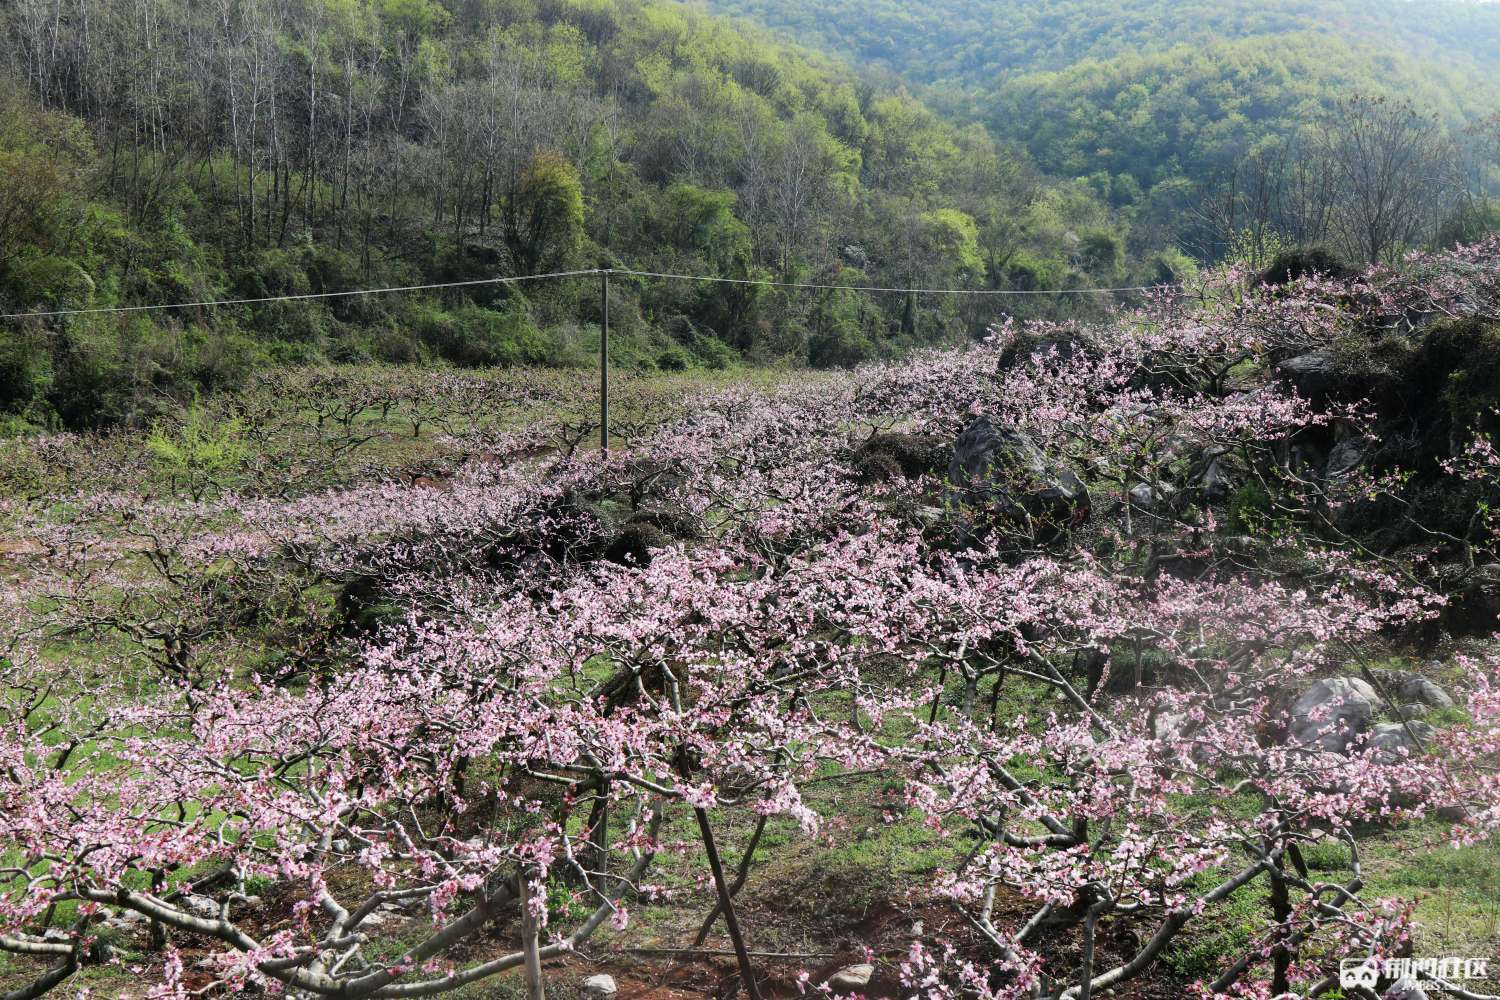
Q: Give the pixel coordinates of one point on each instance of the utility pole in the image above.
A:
(604, 359)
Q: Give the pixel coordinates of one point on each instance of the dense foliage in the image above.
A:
(1157, 102)
(969, 43)
(170, 151)
(395, 736)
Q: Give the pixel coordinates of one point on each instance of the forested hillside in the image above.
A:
(1160, 104)
(171, 151)
(977, 43)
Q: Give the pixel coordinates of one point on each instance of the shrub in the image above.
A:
(199, 448)
(1302, 262)
(1458, 364)
(674, 359)
(839, 347)
(88, 389)
(22, 374)
(633, 545)
(711, 352)
(1249, 506)
(1469, 223)
(912, 455)
(473, 337)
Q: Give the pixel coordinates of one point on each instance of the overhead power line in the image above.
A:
(890, 289)
(266, 299)
(626, 272)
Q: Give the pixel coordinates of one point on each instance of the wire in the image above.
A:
(876, 288)
(294, 298)
(262, 300)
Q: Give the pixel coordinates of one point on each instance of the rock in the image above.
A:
(1169, 725)
(385, 915)
(1307, 459)
(199, 906)
(1413, 711)
(1346, 456)
(852, 978)
(1405, 988)
(126, 921)
(1146, 497)
(1332, 712)
(1215, 482)
(1390, 738)
(1003, 471)
(1408, 686)
(1474, 609)
(599, 986)
(340, 846)
(1314, 375)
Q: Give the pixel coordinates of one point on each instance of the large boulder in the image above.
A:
(1001, 471)
(1409, 687)
(1333, 713)
(1345, 457)
(1316, 375)
(1390, 740)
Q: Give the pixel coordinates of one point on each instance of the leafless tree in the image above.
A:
(1395, 169)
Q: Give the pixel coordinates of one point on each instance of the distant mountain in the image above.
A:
(1144, 91)
(979, 43)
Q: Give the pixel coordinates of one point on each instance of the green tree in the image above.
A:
(544, 216)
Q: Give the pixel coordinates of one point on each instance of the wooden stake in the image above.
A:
(530, 940)
(726, 903)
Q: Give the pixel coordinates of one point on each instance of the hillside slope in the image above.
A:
(1150, 89)
(975, 43)
(305, 146)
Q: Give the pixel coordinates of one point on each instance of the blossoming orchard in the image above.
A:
(1127, 659)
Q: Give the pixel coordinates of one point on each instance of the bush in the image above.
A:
(711, 352)
(473, 337)
(88, 391)
(839, 347)
(1302, 262)
(396, 347)
(22, 375)
(633, 545)
(909, 455)
(1249, 507)
(1028, 273)
(674, 359)
(1170, 267)
(1469, 223)
(1458, 365)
